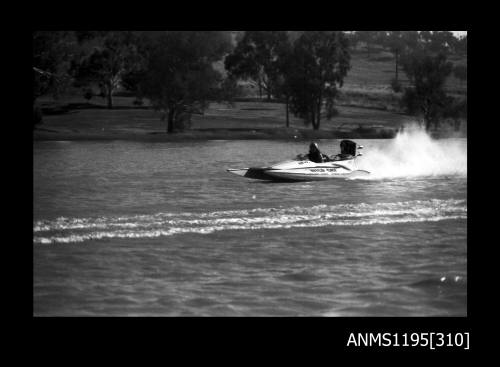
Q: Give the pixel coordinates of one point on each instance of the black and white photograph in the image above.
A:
(261, 173)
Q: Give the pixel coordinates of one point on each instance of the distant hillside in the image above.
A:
(376, 70)
(371, 73)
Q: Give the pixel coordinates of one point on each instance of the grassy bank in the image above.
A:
(70, 120)
(243, 120)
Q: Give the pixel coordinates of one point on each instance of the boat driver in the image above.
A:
(315, 155)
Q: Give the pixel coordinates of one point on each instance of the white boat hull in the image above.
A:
(302, 171)
(314, 175)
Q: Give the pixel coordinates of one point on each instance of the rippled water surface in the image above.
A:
(133, 228)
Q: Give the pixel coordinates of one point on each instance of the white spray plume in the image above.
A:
(414, 153)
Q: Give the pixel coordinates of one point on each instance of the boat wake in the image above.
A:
(73, 230)
(414, 153)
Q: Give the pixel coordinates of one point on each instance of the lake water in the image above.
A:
(161, 229)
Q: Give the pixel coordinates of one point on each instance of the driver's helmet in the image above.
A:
(313, 147)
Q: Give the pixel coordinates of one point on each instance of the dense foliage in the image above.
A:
(53, 54)
(427, 75)
(180, 77)
(320, 60)
(305, 68)
(256, 57)
(110, 55)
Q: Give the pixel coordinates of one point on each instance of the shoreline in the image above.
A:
(41, 134)
(215, 134)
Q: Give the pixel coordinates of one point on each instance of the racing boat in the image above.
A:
(342, 165)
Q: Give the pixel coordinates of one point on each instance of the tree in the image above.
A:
(88, 94)
(460, 72)
(427, 75)
(254, 58)
(320, 60)
(456, 110)
(180, 77)
(461, 45)
(368, 38)
(285, 70)
(113, 54)
(437, 42)
(132, 79)
(53, 52)
(443, 42)
(396, 44)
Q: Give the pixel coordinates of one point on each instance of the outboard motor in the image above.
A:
(347, 148)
